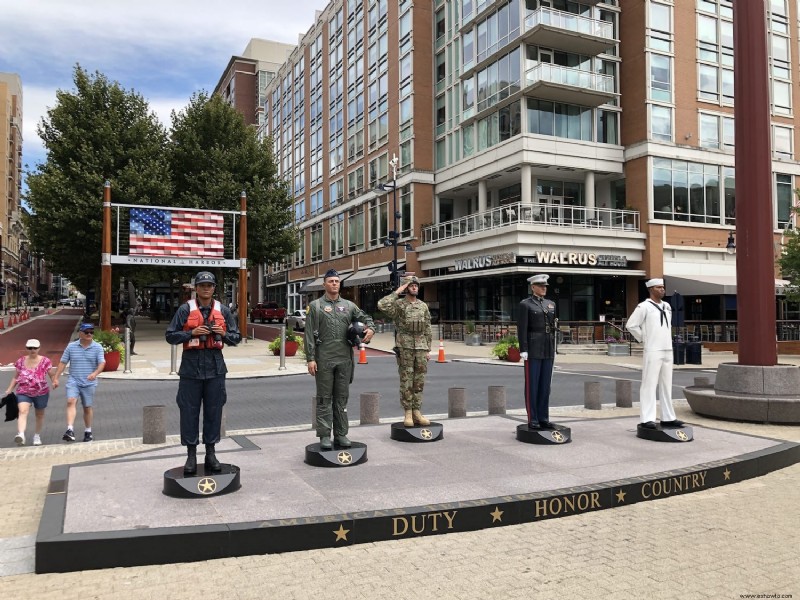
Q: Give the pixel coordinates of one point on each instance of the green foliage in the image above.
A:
(500, 349)
(469, 326)
(612, 335)
(110, 341)
(96, 132)
(214, 156)
(291, 336)
(790, 262)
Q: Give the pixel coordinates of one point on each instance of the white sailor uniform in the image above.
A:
(650, 324)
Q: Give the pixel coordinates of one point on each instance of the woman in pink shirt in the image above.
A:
(32, 388)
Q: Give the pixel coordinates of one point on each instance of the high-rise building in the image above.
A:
(14, 265)
(589, 140)
(243, 85)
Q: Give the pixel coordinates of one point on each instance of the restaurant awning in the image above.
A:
(315, 285)
(707, 285)
(369, 275)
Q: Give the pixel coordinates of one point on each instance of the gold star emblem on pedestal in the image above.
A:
(206, 485)
(557, 436)
(341, 533)
(344, 457)
(681, 435)
(621, 496)
(497, 515)
(425, 434)
(727, 474)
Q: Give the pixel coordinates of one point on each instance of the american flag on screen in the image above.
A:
(160, 232)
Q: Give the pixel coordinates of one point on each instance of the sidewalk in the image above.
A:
(251, 358)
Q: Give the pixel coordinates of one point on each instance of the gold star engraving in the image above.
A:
(681, 435)
(344, 457)
(341, 533)
(497, 515)
(425, 434)
(206, 485)
(621, 496)
(727, 474)
(557, 436)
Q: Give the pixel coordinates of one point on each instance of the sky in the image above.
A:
(165, 50)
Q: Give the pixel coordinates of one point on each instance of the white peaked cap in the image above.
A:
(654, 282)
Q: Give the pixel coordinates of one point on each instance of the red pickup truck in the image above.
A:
(268, 312)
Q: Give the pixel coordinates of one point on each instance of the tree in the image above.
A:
(214, 156)
(97, 132)
(790, 260)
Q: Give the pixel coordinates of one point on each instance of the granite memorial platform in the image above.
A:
(112, 512)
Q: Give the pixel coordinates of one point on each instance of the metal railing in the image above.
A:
(547, 215)
(570, 76)
(570, 22)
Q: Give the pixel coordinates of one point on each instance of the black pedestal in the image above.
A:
(338, 457)
(558, 435)
(203, 484)
(429, 433)
(665, 434)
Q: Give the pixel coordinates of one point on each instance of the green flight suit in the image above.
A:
(413, 338)
(326, 343)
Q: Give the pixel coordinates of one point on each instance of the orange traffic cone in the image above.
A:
(2, 323)
(362, 356)
(441, 352)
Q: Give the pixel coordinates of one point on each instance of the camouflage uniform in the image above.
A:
(413, 339)
(326, 343)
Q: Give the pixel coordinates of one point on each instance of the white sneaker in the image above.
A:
(37, 441)
(20, 439)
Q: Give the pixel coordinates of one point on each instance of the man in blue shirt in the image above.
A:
(86, 361)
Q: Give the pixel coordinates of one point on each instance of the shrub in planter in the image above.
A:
(111, 343)
(293, 342)
(503, 345)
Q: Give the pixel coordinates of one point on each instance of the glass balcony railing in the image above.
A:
(570, 22)
(545, 215)
(570, 76)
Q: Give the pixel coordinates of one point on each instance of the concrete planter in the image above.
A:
(619, 349)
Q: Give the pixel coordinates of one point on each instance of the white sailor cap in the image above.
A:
(654, 282)
(538, 279)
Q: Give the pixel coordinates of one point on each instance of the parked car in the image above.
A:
(268, 312)
(296, 320)
(493, 315)
(67, 302)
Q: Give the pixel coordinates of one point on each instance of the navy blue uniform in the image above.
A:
(536, 325)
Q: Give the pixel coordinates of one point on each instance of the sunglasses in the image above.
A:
(91, 332)
(32, 347)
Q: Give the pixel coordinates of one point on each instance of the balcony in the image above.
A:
(570, 218)
(547, 81)
(569, 32)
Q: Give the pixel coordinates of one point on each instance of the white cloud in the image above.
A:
(165, 49)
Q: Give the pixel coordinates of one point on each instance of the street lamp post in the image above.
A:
(394, 235)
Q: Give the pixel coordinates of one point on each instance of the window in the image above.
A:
(299, 210)
(355, 229)
(336, 226)
(378, 220)
(716, 131)
(300, 255)
(782, 142)
(378, 170)
(316, 242)
(336, 192)
(660, 27)
(316, 202)
(560, 120)
(355, 182)
(661, 123)
(783, 197)
(685, 191)
(660, 78)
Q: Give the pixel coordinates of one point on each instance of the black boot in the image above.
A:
(212, 464)
(190, 468)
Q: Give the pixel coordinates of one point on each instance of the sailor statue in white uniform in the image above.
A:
(651, 325)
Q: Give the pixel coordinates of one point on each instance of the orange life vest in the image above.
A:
(196, 320)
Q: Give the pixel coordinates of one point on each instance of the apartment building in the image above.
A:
(243, 85)
(14, 263)
(589, 140)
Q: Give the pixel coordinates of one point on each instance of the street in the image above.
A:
(285, 401)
